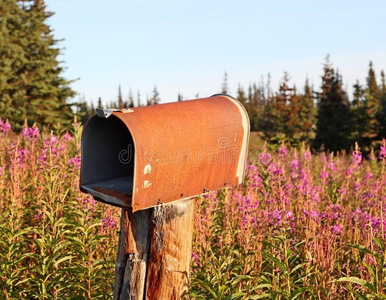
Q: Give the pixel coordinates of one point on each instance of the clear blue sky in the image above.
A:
(186, 46)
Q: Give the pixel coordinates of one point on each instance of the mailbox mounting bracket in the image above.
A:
(107, 112)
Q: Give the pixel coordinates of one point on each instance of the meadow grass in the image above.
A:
(305, 226)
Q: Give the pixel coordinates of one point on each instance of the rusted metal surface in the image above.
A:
(172, 151)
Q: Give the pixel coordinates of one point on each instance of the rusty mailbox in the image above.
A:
(144, 156)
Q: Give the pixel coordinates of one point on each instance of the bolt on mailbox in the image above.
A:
(144, 156)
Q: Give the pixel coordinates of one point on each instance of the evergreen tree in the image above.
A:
(359, 117)
(31, 85)
(155, 99)
(333, 124)
(372, 106)
(131, 99)
(121, 104)
(307, 114)
(100, 106)
(241, 95)
(382, 113)
(224, 86)
(139, 103)
(84, 111)
(293, 129)
(282, 109)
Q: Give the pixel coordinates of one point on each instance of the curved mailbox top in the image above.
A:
(181, 150)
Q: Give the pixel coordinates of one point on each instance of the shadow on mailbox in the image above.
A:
(156, 154)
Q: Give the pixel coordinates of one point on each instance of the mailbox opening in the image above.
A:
(107, 170)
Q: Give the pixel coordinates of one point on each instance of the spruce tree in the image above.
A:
(121, 104)
(131, 99)
(155, 99)
(100, 106)
(292, 121)
(372, 106)
(359, 118)
(382, 112)
(333, 124)
(224, 85)
(31, 85)
(241, 95)
(12, 63)
(307, 113)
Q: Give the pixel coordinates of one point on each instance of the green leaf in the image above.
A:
(63, 259)
(359, 281)
(298, 292)
(277, 262)
(261, 296)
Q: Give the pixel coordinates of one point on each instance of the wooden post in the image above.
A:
(154, 252)
(133, 251)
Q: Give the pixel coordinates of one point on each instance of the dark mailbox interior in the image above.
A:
(108, 160)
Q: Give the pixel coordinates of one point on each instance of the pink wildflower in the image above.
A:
(195, 257)
(4, 126)
(337, 229)
(382, 152)
(295, 165)
(265, 158)
(74, 161)
(39, 214)
(30, 133)
(324, 174)
(357, 156)
(283, 151)
(307, 155)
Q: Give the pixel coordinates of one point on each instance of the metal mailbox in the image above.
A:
(145, 156)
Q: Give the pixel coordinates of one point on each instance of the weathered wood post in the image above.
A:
(152, 161)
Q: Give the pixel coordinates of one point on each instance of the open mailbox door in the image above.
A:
(145, 156)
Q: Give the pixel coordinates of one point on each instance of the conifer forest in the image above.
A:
(307, 223)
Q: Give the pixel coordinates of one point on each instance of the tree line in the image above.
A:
(324, 118)
(33, 89)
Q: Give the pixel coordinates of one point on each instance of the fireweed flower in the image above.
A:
(356, 156)
(276, 169)
(50, 145)
(38, 214)
(283, 151)
(331, 166)
(337, 229)
(195, 257)
(66, 137)
(18, 156)
(31, 133)
(313, 215)
(357, 186)
(253, 175)
(295, 165)
(265, 158)
(382, 152)
(5, 127)
(108, 222)
(307, 155)
(342, 191)
(324, 174)
(74, 161)
(51, 141)
(22, 156)
(369, 175)
(350, 171)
